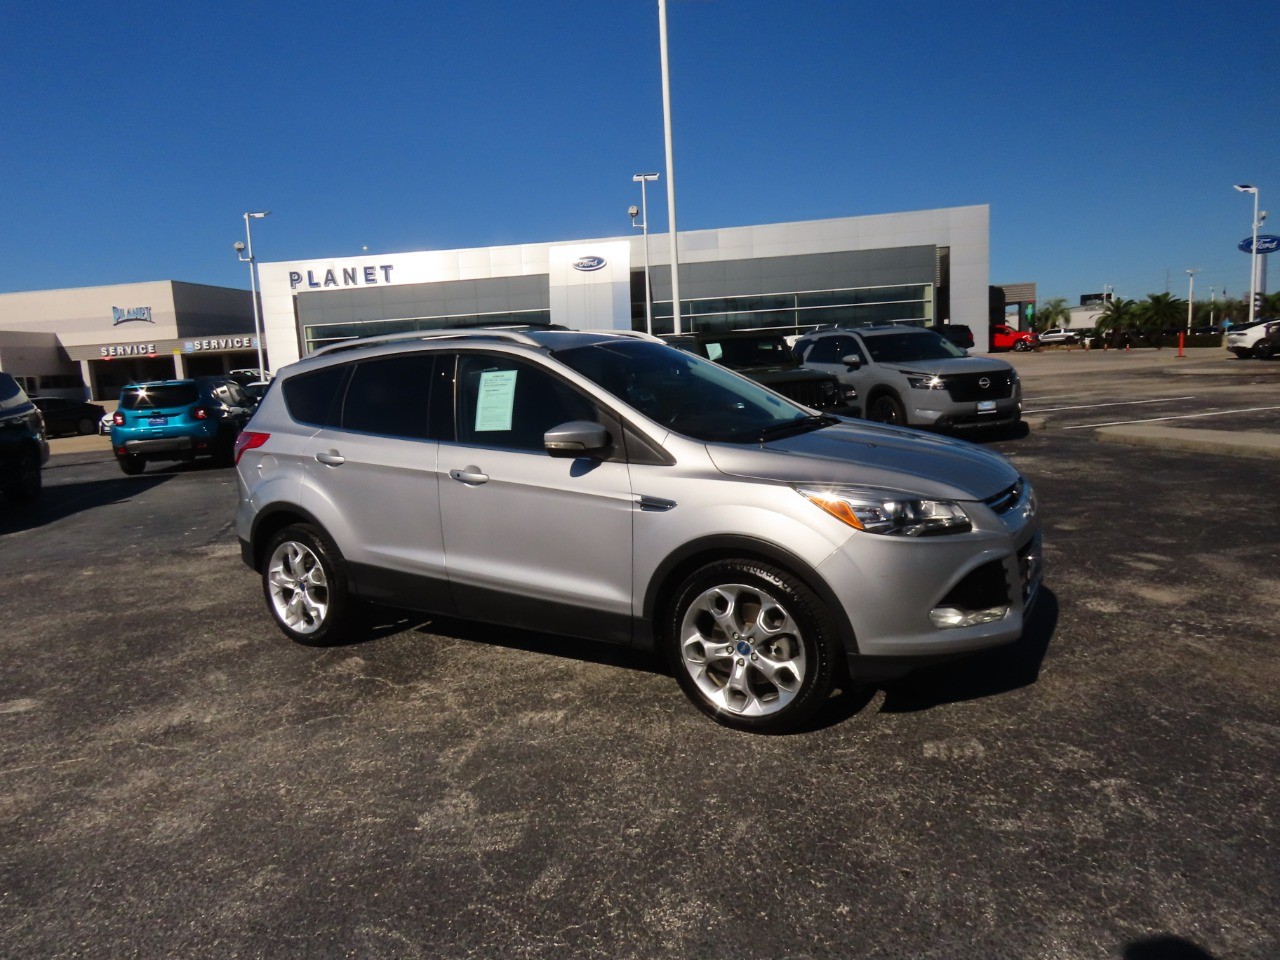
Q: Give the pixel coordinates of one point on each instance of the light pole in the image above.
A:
(253, 284)
(1253, 251)
(1191, 296)
(642, 179)
(671, 167)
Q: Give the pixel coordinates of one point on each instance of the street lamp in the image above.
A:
(671, 167)
(1253, 251)
(1191, 296)
(247, 257)
(642, 179)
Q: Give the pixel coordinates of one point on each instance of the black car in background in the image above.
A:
(23, 447)
(63, 416)
(765, 357)
(958, 333)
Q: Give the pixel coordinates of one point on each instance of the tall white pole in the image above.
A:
(671, 167)
(643, 179)
(1253, 260)
(1191, 296)
(253, 287)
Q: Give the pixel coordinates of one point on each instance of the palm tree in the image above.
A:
(1161, 312)
(1116, 315)
(1054, 313)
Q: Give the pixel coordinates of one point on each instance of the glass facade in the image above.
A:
(801, 311)
(319, 335)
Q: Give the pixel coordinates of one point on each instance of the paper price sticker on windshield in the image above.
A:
(496, 399)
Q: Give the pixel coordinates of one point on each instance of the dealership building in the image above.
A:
(93, 340)
(925, 267)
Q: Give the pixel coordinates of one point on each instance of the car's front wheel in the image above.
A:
(886, 409)
(1264, 349)
(305, 583)
(752, 646)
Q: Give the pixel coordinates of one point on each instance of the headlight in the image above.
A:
(884, 512)
(927, 383)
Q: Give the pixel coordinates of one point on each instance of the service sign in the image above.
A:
(1267, 243)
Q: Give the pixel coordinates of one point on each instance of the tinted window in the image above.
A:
(310, 397)
(907, 347)
(11, 394)
(504, 402)
(390, 396)
(831, 349)
(157, 395)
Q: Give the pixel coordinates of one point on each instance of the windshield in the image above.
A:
(911, 346)
(687, 394)
(762, 351)
(159, 395)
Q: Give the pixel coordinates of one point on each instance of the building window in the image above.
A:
(804, 310)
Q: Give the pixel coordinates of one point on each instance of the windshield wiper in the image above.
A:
(794, 427)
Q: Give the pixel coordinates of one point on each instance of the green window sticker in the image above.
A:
(496, 400)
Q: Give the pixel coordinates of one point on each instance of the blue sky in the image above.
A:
(1105, 137)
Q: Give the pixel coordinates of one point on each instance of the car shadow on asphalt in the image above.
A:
(980, 675)
(57, 502)
(386, 621)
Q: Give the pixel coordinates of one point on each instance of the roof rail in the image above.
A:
(443, 334)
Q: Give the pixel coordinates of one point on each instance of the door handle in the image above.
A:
(469, 475)
(332, 458)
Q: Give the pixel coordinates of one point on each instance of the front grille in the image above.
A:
(1006, 500)
(969, 387)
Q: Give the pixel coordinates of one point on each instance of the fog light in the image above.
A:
(946, 618)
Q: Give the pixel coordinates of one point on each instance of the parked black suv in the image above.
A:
(766, 358)
(23, 447)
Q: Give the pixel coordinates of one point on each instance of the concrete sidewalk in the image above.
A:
(1243, 443)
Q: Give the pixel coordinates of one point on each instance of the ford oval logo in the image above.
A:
(587, 264)
(1267, 243)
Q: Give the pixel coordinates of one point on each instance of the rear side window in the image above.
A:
(159, 395)
(312, 397)
(390, 396)
(832, 349)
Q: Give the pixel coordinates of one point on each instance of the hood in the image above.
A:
(953, 366)
(873, 455)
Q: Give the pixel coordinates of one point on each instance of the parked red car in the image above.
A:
(1006, 338)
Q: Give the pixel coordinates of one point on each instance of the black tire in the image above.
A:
(765, 674)
(1022, 346)
(1264, 349)
(85, 426)
(886, 408)
(28, 480)
(304, 580)
(130, 464)
(224, 454)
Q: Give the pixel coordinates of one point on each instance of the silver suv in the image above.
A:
(608, 486)
(914, 377)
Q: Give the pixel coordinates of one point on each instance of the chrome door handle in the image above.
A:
(332, 458)
(469, 475)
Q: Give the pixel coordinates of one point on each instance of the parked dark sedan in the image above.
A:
(63, 416)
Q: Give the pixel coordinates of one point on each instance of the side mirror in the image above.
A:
(852, 361)
(577, 438)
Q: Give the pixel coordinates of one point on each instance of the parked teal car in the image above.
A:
(178, 420)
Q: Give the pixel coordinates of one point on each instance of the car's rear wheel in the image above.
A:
(305, 582)
(28, 479)
(85, 426)
(1264, 349)
(1022, 346)
(752, 646)
(886, 409)
(130, 464)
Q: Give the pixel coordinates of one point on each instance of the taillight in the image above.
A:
(200, 413)
(249, 440)
(118, 418)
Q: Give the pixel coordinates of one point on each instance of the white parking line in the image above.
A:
(1185, 416)
(1117, 403)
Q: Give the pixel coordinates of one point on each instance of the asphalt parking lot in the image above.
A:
(179, 780)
